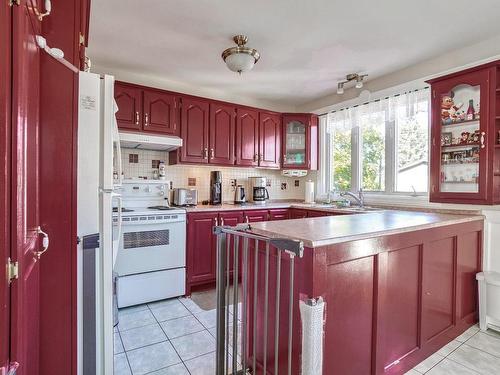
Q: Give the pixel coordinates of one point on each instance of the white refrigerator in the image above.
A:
(99, 156)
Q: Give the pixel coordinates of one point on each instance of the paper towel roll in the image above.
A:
(312, 337)
(309, 194)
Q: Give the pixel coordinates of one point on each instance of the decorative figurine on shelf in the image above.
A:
(464, 139)
(475, 137)
(449, 109)
(471, 112)
(446, 139)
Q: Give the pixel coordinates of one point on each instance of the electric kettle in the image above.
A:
(239, 195)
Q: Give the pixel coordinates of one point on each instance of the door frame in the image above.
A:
(5, 181)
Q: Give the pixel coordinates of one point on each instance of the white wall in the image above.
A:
(179, 175)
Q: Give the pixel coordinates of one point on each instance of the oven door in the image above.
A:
(151, 247)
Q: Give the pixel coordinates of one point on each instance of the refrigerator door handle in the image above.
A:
(118, 149)
(116, 243)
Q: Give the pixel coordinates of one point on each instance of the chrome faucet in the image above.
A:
(360, 200)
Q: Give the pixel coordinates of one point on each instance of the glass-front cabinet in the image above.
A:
(300, 137)
(464, 137)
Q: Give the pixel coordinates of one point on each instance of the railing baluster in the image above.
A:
(235, 305)
(244, 305)
(290, 314)
(254, 307)
(226, 353)
(277, 317)
(221, 302)
(266, 307)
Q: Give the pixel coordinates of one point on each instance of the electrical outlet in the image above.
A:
(191, 181)
(233, 182)
(297, 183)
(268, 183)
(283, 186)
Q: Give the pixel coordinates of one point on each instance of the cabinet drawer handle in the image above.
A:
(147, 120)
(246, 220)
(212, 153)
(222, 221)
(216, 222)
(137, 118)
(483, 134)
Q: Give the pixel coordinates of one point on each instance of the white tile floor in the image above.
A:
(177, 337)
(168, 337)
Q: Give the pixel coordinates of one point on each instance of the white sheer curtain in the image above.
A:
(405, 105)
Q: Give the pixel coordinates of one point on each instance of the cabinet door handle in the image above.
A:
(212, 153)
(483, 135)
(247, 220)
(216, 221)
(146, 123)
(222, 221)
(205, 153)
(137, 118)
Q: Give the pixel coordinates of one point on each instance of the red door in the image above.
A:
(269, 140)
(201, 249)
(222, 133)
(194, 131)
(247, 137)
(253, 216)
(129, 101)
(5, 123)
(24, 345)
(159, 112)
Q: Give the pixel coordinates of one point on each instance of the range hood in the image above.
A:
(149, 142)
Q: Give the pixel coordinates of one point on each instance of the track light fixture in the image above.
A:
(351, 77)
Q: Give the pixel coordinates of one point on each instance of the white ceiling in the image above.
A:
(305, 46)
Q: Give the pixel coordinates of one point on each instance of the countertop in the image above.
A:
(329, 230)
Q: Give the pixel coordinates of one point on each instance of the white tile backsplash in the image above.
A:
(180, 173)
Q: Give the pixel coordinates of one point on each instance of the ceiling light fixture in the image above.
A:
(351, 77)
(240, 59)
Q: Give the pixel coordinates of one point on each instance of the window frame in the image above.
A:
(326, 177)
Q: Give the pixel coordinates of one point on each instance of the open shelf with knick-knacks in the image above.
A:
(465, 131)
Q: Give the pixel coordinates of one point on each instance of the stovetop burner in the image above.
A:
(115, 209)
(161, 208)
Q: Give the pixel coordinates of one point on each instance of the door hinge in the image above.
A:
(12, 270)
(14, 2)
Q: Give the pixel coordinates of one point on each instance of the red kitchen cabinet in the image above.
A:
(232, 218)
(129, 101)
(247, 137)
(314, 213)
(194, 131)
(465, 142)
(252, 216)
(297, 213)
(300, 141)
(279, 214)
(269, 139)
(160, 111)
(222, 134)
(201, 248)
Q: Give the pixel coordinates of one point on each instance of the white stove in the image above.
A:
(151, 260)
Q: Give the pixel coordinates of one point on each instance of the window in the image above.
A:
(381, 146)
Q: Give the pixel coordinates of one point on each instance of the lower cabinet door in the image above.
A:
(296, 213)
(201, 247)
(279, 214)
(232, 218)
(253, 216)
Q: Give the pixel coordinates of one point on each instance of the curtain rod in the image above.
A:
(376, 100)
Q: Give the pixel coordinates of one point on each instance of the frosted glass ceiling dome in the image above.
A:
(240, 59)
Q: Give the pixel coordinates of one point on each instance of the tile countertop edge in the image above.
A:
(336, 240)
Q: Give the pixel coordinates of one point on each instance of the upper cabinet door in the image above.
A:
(129, 101)
(269, 140)
(247, 137)
(460, 152)
(194, 131)
(222, 134)
(300, 141)
(160, 110)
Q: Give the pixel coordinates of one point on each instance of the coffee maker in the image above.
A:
(215, 187)
(258, 190)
